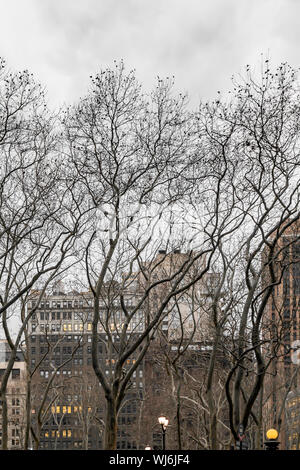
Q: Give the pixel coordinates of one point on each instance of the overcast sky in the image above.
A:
(202, 43)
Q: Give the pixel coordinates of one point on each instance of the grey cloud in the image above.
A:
(202, 43)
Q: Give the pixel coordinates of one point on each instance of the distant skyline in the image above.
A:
(201, 43)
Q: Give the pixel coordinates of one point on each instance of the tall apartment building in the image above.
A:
(60, 354)
(282, 327)
(16, 397)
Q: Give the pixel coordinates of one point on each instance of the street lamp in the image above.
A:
(272, 443)
(163, 421)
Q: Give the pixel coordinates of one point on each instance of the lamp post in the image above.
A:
(241, 436)
(163, 421)
(272, 443)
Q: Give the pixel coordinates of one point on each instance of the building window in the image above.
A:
(15, 374)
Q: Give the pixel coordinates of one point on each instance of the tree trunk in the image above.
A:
(36, 438)
(4, 420)
(259, 430)
(28, 412)
(86, 433)
(110, 436)
(178, 415)
(213, 430)
(210, 391)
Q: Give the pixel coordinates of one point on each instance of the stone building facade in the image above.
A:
(16, 397)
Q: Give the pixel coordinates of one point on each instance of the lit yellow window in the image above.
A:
(75, 409)
(69, 409)
(58, 409)
(89, 326)
(64, 433)
(69, 433)
(64, 409)
(65, 327)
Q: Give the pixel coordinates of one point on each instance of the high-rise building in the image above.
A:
(15, 396)
(282, 332)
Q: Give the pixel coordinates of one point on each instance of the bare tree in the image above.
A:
(136, 159)
(39, 218)
(264, 186)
